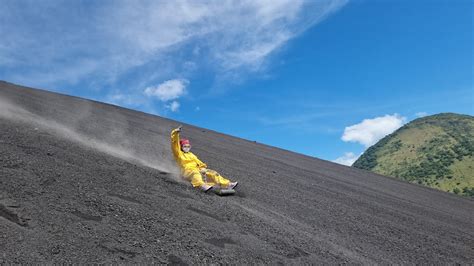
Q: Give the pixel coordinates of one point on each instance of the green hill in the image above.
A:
(436, 151)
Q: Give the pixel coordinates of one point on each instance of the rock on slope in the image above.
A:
(86, 182)
(436, 151)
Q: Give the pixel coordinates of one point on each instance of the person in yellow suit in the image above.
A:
(193, 169)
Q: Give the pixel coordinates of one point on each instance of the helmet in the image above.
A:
(184, 141)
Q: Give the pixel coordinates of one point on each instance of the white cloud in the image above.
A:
(347, 159)
(421, 114)
(101, 42)
(174, 106)
(168, 90)
(122, 99)
(369, 131)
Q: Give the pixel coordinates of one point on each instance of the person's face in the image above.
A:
(186, 147)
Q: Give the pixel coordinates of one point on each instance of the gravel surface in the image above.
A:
(86, 182)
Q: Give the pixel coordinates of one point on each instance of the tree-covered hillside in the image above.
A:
(436, 151)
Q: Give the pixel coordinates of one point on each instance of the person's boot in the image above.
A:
(232, 185)
(205, 188)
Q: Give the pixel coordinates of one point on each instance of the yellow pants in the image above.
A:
(211, 178)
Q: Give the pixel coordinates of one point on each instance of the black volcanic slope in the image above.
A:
(82, 181)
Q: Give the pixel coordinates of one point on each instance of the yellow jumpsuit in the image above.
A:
(190, 166)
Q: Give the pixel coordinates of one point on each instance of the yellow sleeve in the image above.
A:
(175, 147)
(200, 163)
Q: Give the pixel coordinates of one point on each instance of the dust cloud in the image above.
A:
(113, 141)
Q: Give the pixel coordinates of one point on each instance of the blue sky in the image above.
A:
(326, 78)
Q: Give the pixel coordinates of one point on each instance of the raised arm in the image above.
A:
(175, 147)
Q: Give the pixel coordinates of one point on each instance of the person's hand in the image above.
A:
(203, 171)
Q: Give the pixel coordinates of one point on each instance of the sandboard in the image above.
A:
(224, 191)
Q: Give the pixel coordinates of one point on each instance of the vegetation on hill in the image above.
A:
(436, 151)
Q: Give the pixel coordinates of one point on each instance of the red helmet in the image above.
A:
(184, 141)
